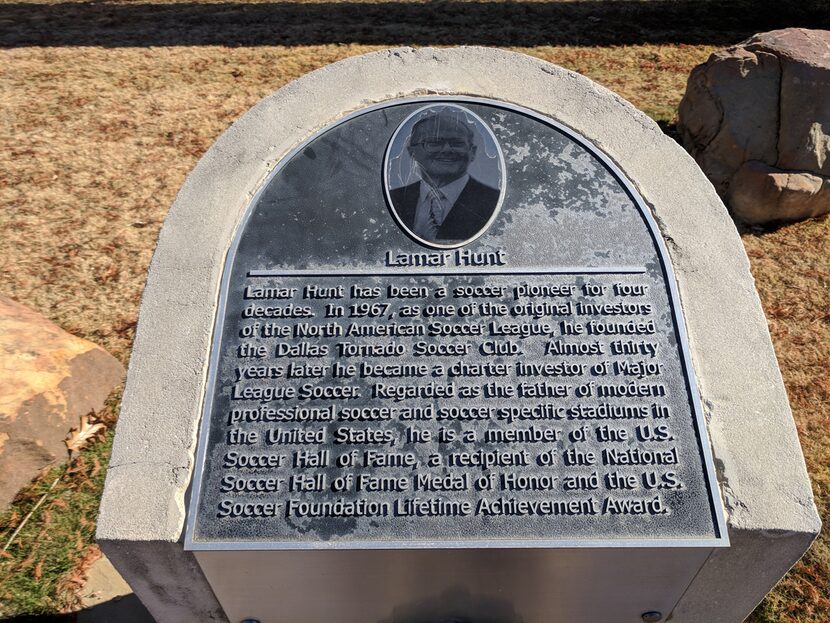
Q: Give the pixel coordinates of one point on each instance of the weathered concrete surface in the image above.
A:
(756, 117)
(167, 579)
(49, 379)
(761, 469)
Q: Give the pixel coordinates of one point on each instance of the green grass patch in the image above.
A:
(44, 566)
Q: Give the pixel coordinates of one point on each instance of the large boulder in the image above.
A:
(49, 379)
(756, 117)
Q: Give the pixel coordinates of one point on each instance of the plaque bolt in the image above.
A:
(651, 616)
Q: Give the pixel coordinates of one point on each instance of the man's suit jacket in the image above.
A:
(469, 214)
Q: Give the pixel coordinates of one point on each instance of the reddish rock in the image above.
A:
(759, 189)
(50, 379)
(756, 117)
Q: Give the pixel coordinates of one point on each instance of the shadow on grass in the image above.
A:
(440, 22)
(41, 618)
(127, 609)
(773, 226)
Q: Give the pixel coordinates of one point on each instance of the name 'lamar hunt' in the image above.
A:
(462, 257)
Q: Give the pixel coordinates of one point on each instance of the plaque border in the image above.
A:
(721, 538)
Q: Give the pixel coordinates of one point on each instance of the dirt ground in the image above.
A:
(108, 105)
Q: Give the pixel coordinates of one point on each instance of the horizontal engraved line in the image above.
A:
(565, 270)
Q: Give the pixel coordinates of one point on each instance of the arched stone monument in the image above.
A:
(452, 333)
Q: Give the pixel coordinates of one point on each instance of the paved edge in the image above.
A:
(771, 514)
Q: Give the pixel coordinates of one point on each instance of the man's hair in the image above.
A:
(451, 118)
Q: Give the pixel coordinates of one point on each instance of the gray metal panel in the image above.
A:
(717, 538)
(485, 586)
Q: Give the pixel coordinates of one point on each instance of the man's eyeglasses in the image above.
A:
(434, 145)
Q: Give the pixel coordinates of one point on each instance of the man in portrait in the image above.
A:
(447, 204)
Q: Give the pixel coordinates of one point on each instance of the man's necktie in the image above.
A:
(437, 201)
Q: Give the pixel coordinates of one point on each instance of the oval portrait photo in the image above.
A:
(444, 175)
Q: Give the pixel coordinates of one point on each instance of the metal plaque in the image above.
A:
(450, 323)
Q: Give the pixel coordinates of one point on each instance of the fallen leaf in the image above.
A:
(82, 435)
(96, 467)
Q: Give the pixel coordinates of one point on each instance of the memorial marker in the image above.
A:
(434, 352)
(522, 380)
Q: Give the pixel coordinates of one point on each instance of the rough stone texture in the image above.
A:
(759, 190)
(756, 117)
(49, 379)
(764, 484)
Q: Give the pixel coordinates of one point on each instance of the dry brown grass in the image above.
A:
(98, 141)
(791, 267)
(95, 141)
